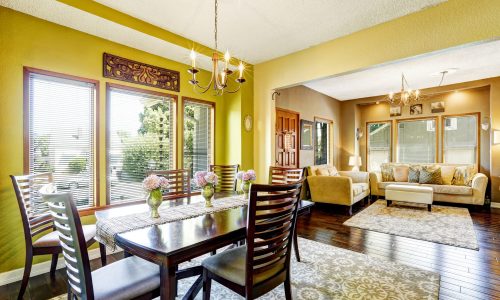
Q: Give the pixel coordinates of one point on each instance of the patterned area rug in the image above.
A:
(327, 272)
(445, 225)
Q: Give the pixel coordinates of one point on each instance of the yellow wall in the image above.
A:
(450, 24)
(311, 104)
(28, 41)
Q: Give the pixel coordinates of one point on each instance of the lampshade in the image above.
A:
(354, 160)
(496, 137)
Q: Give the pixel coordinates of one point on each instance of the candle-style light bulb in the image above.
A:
(391, 95)
(223, 77)
(192, 55)
(227, 56)
(241, 67)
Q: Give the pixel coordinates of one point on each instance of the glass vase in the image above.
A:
(245, 187)
(207, 193)
(154, 201)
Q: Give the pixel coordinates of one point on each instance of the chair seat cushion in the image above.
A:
(358, 188)
(231, 265)
(52, 239)
(127, 278)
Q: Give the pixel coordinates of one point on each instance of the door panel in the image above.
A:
(286, 142)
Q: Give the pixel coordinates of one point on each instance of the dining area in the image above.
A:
(244, 232)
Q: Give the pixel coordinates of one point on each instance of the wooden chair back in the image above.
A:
(72, 240)
(272, 215)
(34, 211)
(280, 175)
(227, 177)
(180, 182)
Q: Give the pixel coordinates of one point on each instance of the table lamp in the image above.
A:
(355, 162)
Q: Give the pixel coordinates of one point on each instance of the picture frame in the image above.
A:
(306, 135)
(395, 110)
(437, 107)
(416, 109)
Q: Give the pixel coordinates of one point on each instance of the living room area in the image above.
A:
(235, 149)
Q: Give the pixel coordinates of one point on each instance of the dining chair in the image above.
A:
(227, 177)
(263, 263)
(281, 175)
(37, 221)
(128, 278)
(180, 182)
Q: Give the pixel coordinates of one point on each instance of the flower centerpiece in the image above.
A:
(207, 182)
(246, 179)
(154, 185)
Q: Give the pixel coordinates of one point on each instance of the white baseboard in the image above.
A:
(44, 267)
(495, 204)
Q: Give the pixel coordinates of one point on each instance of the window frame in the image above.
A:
(96, 125)
(213, 122)
(109, 87)
(367, 143)
(478, 134)
(396, 141)
(331, 141)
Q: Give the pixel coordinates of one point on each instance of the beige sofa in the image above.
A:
(346, 188)
(473, 194)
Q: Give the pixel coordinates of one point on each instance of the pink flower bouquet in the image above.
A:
(246, 176)
(203, 178)
(155, 182)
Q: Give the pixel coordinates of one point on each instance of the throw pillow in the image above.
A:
(447, 173)
(400, 173)
(471, 172)
(413, 173)
(387, 172)
(430, 175)
(463, 175)
(332, 171)
(322, 172)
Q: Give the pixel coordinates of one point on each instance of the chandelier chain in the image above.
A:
(215, 30)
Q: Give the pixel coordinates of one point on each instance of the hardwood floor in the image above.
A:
(465, 274)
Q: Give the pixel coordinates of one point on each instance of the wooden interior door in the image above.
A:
(287, 138)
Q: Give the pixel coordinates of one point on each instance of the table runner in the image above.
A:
(107, 228)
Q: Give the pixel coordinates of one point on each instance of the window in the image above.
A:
(460, 139)
(141, 138)
(198, 135)
(417, 141)
(61, 131)
(379, 142)
(322, 142)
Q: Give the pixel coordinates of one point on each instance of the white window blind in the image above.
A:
(198, 122)
(460, 141)
(61, 133)
(140, 138)
(379, 144)
(417, 141)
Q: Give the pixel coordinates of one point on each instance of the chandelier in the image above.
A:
(219, 79)
(406, 96)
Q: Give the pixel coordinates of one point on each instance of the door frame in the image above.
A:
(297, 136)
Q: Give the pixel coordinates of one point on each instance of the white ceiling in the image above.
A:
(260, 30)
(474, 62)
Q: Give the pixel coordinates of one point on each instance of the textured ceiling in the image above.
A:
(260, 30)
(474, 62)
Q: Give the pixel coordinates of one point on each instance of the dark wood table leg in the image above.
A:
(167, 282)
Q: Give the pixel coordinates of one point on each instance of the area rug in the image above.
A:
(444, 224)
(327, 272)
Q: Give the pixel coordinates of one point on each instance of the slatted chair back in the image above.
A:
(72, 240)
(34, 212)
(227, 177)
(280, 175)
(180, 182)
(272, 214)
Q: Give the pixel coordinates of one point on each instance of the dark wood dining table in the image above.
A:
(173, 243)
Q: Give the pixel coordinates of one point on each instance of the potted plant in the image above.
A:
(154, 185)
(246, 179)
(207, 182)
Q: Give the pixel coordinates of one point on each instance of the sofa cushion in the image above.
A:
(387, 172)
(322, 172)
(358, 188)
(430, 175)
(382, 185)
(400, 173)
(450, 189)
(447, 173)
(463, 175)
(413, 173)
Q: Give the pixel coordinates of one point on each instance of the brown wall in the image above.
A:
(311, 104)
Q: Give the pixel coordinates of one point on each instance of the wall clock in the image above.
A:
(248, 122)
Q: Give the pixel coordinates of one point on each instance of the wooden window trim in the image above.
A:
(174, 98)
(436, 118)
(26, 118)
(214, 120)
(478, 135)
(367, 146)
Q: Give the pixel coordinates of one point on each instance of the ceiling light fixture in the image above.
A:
(218, 80)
